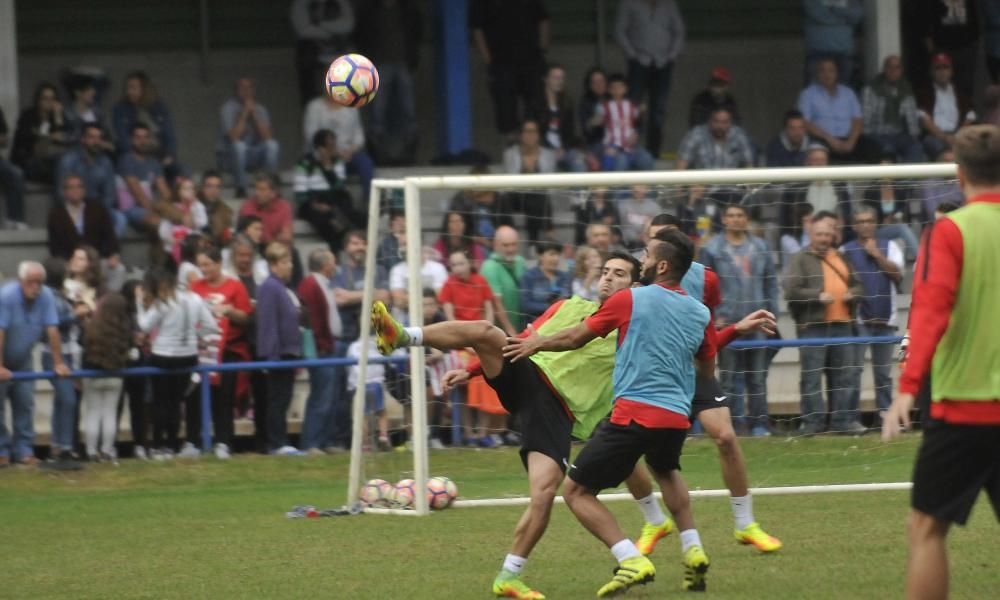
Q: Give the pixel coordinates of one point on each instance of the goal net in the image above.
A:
(830, 370)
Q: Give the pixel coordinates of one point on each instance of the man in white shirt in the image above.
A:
(433, 275)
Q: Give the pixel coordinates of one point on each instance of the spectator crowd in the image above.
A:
(228, 284)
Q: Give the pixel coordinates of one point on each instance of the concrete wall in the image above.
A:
(766, 79)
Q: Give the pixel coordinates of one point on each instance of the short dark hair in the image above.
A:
(92, 125)
(616, 78)
(430, 293)
(212, 252)
(737, 206)
(356, 233)
(631, 260)
(544, 247)
(210, 173)
(270, 178)
(717, 109)
(319, 138)
(792, 114)
(665, 219)
(246, 221)
(977, 152)
(946, 207)
(191, 247)
(677, 249)
(823, 214)
(136, 127)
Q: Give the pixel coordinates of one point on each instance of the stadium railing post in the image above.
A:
(206, 411)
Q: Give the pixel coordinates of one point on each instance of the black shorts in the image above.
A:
(539, 414)
(610, 456)
(955, 463)
(707, 394)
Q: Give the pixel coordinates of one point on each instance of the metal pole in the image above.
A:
(368, 298)
(418, 375)
(206, 412)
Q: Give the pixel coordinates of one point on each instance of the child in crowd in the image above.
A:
(621, 135)
(107, 341)
(374, 389)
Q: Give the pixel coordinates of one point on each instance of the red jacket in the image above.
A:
(317, 307)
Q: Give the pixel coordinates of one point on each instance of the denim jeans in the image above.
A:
(64, 401)
(362, 165)
(134, 217)
(317, 425)
(837, 363)
(12, 186)
(745, 371)
(22, 408)
(657, 82)
(618, 160)
(395, 113)
(904, 147)
(340, 431)
(883, 356)
(242, 157)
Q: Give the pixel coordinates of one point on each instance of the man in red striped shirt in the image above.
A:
(953, 337)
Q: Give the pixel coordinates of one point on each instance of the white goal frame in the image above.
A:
(412, 188)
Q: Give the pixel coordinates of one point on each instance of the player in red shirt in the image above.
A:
(710, 407)
(953, 334)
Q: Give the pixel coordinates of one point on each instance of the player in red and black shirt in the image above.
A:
(953, 336)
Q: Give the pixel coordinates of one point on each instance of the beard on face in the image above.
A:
(648, 275)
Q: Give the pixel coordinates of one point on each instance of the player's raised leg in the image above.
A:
(544, 475)
(482, 336)
(718, 424)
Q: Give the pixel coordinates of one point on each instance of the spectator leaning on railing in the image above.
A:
(822, 290)
(27, 314)
(879, 264)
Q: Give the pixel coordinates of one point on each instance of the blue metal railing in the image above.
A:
(206, 391)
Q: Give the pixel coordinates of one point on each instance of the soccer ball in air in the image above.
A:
(403, 494)
(375, 491)
(352, 80)
(441, 492)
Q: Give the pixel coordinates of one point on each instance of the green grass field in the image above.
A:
(211, 529)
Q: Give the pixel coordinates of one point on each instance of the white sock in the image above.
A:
(514, 563)
(651, 510)
(416, 335)
(625, 550)
(689, 537)
(742, 510)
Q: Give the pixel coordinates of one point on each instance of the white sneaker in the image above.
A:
(162, 454)
(140, 453)
(222, 451)
(288, 451)
(435, 444)
(189, 450)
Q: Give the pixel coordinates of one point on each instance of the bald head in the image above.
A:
(505, 242)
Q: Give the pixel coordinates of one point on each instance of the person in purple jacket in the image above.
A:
(278, 338)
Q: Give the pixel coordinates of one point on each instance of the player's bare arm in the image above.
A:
(759, 320)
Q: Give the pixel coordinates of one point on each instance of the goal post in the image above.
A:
(414, 187)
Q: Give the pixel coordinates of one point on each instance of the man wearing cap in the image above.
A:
(943, 109)
(716, 95)
(833, 116)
